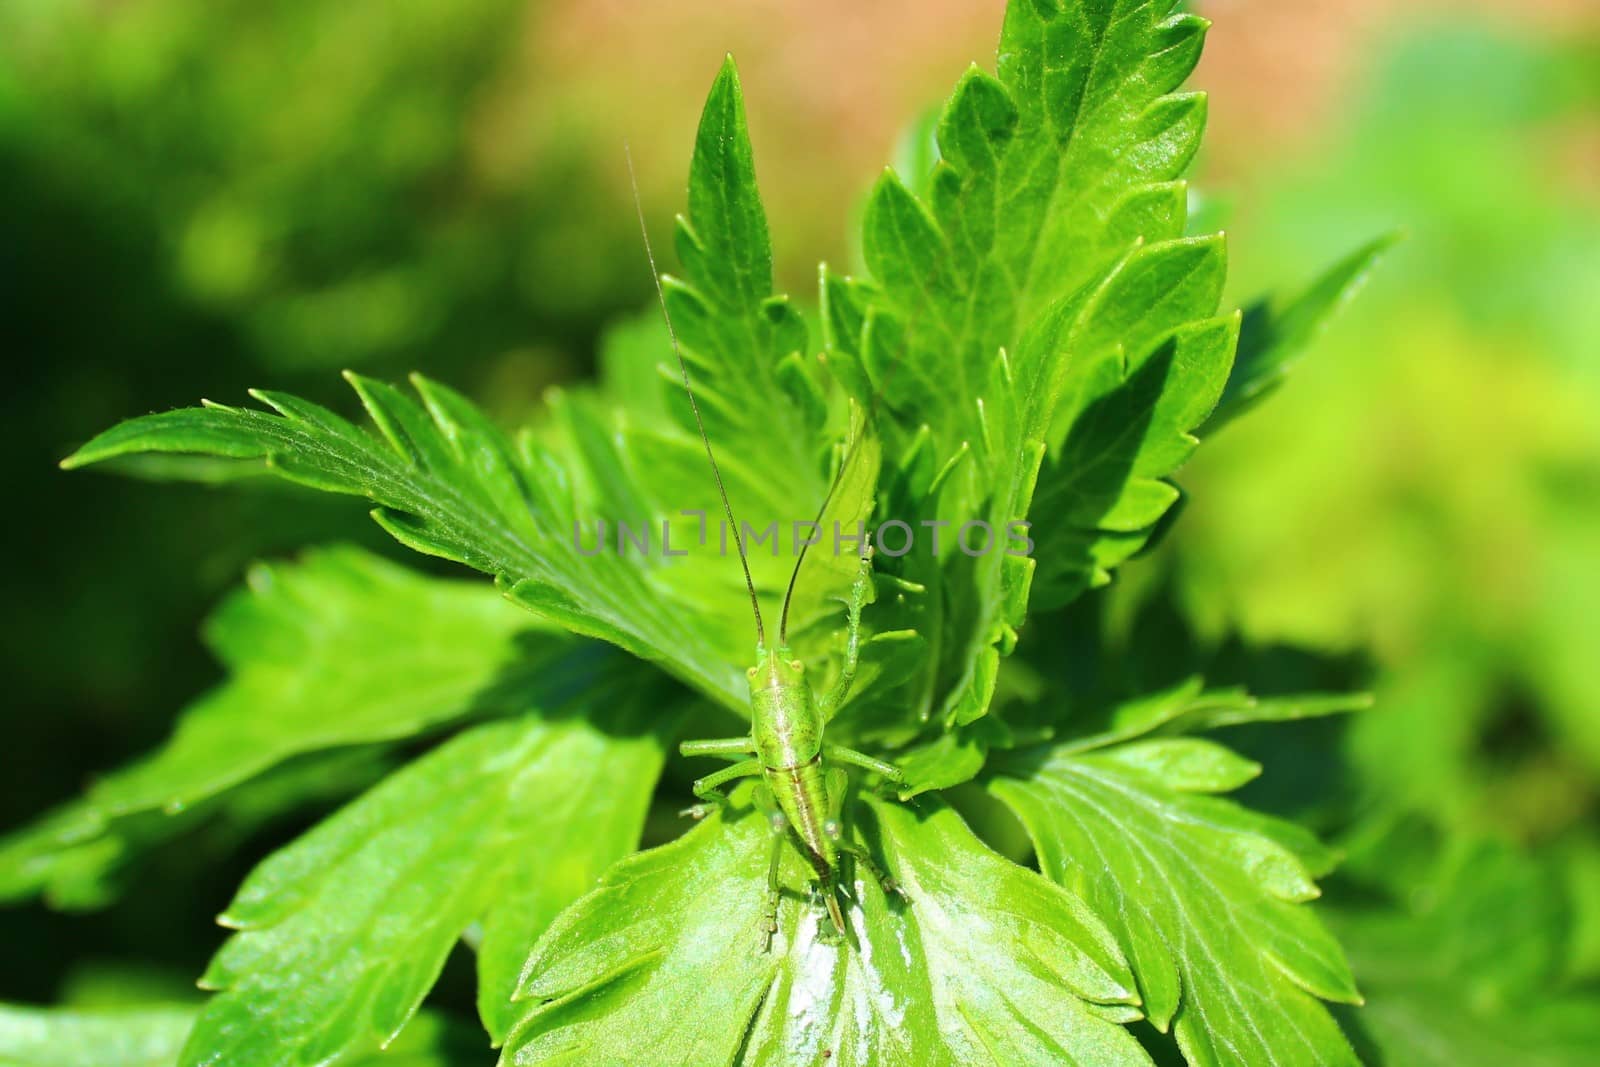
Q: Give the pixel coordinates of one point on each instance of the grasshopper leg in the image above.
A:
(708, 788)
(769, 910)
(840, 754)
(727, 746)
(780, 829)
(834, 828)
(860, 594)
(885, 880)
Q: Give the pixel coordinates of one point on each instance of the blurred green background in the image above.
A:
(202, 198)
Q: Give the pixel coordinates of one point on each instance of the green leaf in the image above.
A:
(1046, 174)
(745, 346)
(448, 483)
(1272, 340)
(1204, 896)
(152, 1036)
(336, 650)
(764, 409)
(955, 756)
(80, 857)
(1086, 426)
(66, 856)
(1042, 308)
(596, 786)
(987, 962)
(342, 933)
(119, 1037)
(1144, 365)
(1094, 415)
(1189, 707)
(1467, 971)
(340, 648)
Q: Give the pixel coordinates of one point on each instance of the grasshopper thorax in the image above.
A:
(784, 720)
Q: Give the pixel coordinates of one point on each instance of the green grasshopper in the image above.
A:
(802, 795)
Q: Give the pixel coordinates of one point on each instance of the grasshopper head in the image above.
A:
(776, 669)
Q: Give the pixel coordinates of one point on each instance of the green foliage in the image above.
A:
(145, 1037)
(1045, 230)
(745, 345)
(1047, 173)
(341, 934)
(81, 857)
(340, 649)
(1204, 896)
(1470, 970)
(1149, 366)
(153, 1036)
(290, 176)
(396, 654)
(1425, 490)
(448, 483)
(1038, 342)
(1272, 339)
(986, 960)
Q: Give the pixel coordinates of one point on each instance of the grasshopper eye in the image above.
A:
(751, 672)
(796, 666)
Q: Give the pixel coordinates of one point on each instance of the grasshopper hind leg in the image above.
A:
(828, 888)
(824, 885)
(838, 782)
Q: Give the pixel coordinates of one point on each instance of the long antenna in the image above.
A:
(850, 452)
(716, 472)
(794, 575)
